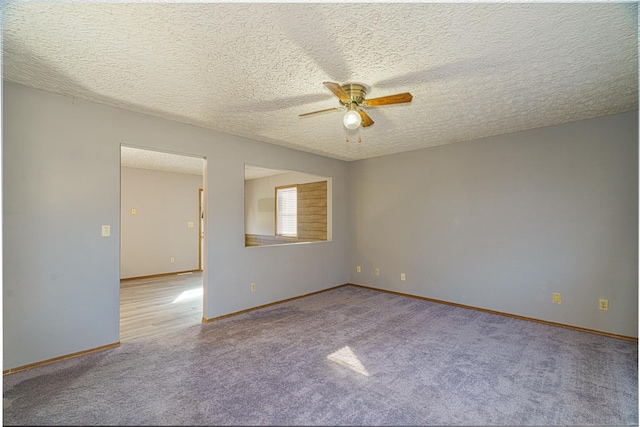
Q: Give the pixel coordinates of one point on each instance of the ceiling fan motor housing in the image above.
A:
(357, 93)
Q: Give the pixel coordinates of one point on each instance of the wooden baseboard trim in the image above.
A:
(213, 319)
(499, 313)
(60, 358)
(175, 273)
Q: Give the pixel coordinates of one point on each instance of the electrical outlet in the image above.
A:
(402, 276)
(604, 304)
(253, 286)
(376, 271)
(557, 298)
(358, 269)
(106, 230)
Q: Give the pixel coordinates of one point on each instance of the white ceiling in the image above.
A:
(250, 69)
(253, 172)
(138, 158)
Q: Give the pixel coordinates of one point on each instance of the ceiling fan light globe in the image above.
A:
(352, 120)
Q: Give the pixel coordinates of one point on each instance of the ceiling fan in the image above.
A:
(352, 97)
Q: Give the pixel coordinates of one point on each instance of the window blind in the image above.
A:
(287, 211)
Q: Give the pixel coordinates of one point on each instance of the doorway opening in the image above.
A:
(162, 245)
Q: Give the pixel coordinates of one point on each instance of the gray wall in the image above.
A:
(165, 204)
(499, 223)
(502, 223)
(61, 182)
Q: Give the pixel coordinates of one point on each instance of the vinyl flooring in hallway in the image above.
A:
(156, 305)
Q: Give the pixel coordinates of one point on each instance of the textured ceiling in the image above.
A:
(474, 69)
(253, 172)
(157, 160)
(140, 158)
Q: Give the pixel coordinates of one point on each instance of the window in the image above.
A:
(264, 223)
(287, 211)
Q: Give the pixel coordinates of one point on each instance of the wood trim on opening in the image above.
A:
(200, 217)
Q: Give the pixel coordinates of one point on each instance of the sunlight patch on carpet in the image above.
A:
(187, 295)
(346, 357)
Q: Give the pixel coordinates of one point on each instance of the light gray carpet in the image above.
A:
(393, 361)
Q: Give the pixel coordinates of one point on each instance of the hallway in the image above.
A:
(156, 305)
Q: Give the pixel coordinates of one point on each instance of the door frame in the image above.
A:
(200, 227)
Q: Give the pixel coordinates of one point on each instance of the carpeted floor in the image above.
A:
(349, 356)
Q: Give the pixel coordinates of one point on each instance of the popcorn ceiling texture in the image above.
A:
(474, 70)
(254, 172)
(137, 158)
(156, 160)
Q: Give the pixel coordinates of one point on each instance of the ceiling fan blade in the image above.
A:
(386, 100)
(366, 120)
(322, 111)
(338, 91)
